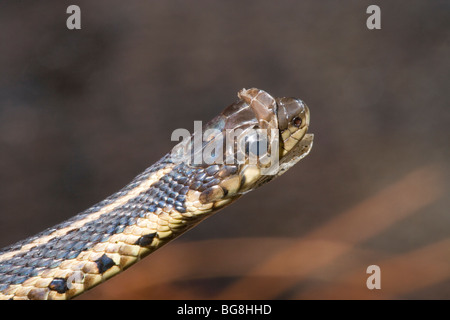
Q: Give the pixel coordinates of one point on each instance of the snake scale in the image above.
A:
(167, 199)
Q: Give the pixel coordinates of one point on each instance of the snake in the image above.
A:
(252, 141)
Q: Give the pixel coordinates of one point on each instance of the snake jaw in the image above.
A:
(297, 153)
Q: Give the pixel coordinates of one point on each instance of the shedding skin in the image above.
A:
(262, 104)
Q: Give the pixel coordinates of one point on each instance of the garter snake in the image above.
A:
(164, 201)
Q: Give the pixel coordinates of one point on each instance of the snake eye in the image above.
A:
(297, 122)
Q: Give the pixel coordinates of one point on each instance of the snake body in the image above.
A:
(164, 201)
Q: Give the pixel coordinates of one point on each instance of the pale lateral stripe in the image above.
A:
(143, 186)
(163, 224)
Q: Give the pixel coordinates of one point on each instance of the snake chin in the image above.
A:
(297, 153)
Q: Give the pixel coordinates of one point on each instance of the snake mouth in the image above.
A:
(298, 152)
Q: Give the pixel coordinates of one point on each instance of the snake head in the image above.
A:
(288, 115)
(293, 122)
(286, 121)
(255, 135)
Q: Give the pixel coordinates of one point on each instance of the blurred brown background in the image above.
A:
(83, 112)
